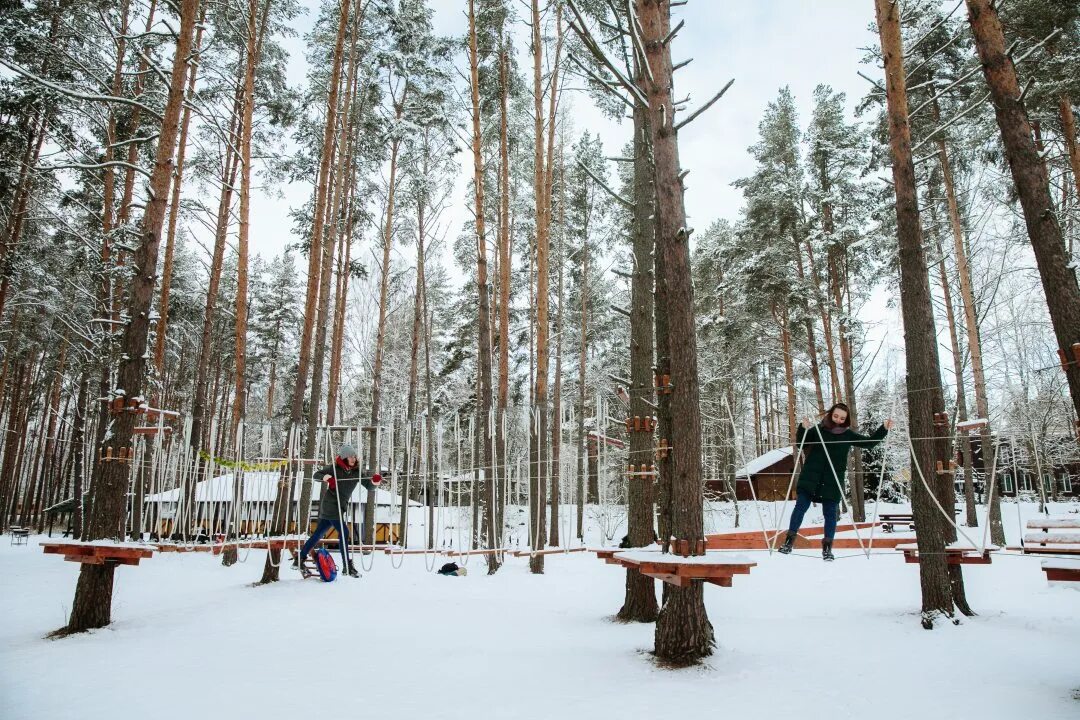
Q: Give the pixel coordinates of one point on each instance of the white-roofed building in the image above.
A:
(213, 506)
(766, 477)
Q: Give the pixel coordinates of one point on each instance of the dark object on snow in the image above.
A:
(625, 542)
(452, 569)
(826, 550)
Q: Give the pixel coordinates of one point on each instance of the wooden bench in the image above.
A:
(19, 535)
(890, 520)
(954, 554)
(1063, 570)
(1049, 541)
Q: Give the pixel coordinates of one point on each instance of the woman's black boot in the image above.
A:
(826, 550)
(789, 543)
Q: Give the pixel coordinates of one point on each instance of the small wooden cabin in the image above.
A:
(767, 477)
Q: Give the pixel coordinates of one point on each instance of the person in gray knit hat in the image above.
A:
(340, 479)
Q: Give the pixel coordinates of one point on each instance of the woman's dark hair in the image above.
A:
(827, 420)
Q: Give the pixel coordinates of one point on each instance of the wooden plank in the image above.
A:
(1061, 575)
(721, 581)
(1054, 522)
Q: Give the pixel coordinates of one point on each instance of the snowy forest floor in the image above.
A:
(797, 637)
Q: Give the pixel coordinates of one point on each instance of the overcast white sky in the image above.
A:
(762, 44)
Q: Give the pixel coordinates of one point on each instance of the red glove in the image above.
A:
(376, 479)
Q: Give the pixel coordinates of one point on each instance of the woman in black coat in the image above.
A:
(826, 447)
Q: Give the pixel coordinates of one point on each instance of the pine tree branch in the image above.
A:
(606, 84)
(674, 31)
(75, 94)
(581, 29)
(588, 171)
(704, 107)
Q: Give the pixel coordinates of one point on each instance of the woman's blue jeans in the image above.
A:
(802, 504)
(320, 530)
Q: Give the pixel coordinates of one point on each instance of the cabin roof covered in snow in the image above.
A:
(760, 463)
(261, 487)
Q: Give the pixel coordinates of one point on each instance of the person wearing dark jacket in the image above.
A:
(340, 479)
(826, 447)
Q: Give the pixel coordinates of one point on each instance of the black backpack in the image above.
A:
(449, 569)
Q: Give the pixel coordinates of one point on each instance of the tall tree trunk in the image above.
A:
(925, 398)
(380, 337)
(811, 342)
(228, 180)
(824, 308)
(781, 316)
(501, 460)
(296, 412)
(1032, 185)
(583, 475)
(174, 206)
(974, 339)
(240, 356)
(483, 353)
(639, 603)
(538, 464)
(556, 413)
(78, 432)
(92, 604)
(958, 372)
(683, 631)
(1068, 132)
(337, 195)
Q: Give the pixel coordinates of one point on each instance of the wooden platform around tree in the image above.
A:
(954, 554)
(91, 553)
(713, 568)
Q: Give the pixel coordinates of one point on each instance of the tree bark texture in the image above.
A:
(683, 631)
(1032, 186)
(924, 394)
(93, 597)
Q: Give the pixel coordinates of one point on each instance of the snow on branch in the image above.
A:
(75, 94)
(952, 121)
(706, 106)
(933, 27)
(581, 29)
(674, 31)
(601, 183)
(1035, 47)
(608, 85)
(947, 88)
(93, 166)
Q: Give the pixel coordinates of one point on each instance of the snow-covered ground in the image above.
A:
(796, 638)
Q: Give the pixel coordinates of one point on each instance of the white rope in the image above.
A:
(990, 496)
(881, 478)
(750, 481)
(933, 496)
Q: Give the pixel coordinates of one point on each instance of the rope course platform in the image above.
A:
(713, 568)
(547, 551)
(954, 554)
(91, 553)
(808, 537)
